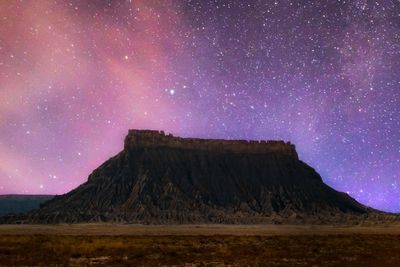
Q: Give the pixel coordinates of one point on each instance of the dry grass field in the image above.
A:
(206, 245)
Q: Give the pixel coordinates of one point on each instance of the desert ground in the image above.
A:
(199, 245)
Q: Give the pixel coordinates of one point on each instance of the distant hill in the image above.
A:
(18, 204)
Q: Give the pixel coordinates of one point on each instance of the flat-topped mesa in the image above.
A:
(156, 139)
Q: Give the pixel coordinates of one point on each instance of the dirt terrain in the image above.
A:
(199, 245)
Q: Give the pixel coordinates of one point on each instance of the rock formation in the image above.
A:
(161, 179)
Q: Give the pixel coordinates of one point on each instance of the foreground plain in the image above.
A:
(201, 245)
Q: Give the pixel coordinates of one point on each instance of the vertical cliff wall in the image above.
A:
(158, 139)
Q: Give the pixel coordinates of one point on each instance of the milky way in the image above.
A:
(76, 75)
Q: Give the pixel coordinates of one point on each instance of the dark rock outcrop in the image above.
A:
(159, 179)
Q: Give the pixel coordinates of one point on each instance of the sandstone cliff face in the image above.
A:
(159, 178)
(158, 139)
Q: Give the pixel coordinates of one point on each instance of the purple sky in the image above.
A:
(325, 75)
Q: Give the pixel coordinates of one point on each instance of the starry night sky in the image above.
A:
(325, 75)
